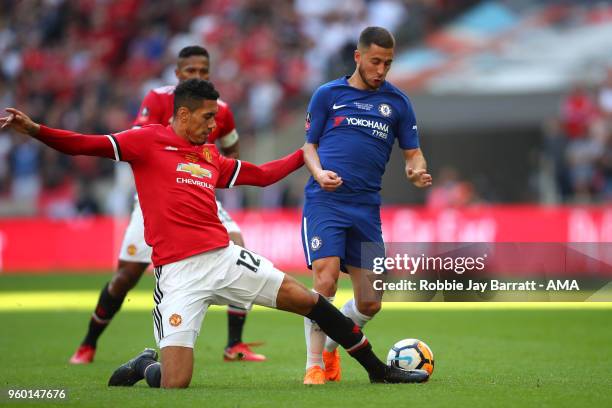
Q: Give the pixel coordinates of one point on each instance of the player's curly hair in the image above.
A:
(192, 92)
(376, 35)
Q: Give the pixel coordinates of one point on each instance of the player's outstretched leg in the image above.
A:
(294, 297)
(361, 309)
(110, 301)
(325, 275)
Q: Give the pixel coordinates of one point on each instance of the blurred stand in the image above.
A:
(483, 76)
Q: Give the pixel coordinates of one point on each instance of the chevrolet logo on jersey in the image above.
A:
(194, 169)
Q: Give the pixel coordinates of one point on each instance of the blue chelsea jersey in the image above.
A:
(355, 130)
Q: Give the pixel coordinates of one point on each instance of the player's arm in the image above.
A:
(232, 151)
(316, 118)
(416, 165)
(238, 172)
(62, 140)
(150, 111)
(229, 141)
(416, 168)
(327, 179)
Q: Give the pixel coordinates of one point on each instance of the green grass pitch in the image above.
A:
(501, 358)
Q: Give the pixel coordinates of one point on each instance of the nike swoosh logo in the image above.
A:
(338, 106)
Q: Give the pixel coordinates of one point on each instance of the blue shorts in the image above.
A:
(339, 229)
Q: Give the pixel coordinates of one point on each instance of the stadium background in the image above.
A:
(514, 104)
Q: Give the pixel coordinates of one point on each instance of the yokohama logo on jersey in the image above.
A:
(372, 124)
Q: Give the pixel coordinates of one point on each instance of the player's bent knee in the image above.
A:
(182, 382)
(176, 366)
(369, 308)
(326, 273)
(327, 286)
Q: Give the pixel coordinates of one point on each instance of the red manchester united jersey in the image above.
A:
(158, 106)
(176, 183)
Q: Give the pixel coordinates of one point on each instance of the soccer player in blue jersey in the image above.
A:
(351, 126)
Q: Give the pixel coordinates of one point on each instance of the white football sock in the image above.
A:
(350, 310)
(315, 340)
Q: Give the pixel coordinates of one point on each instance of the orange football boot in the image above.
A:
(333, 370)
(314, 376)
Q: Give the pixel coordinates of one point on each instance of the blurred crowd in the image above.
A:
(86, 64)
(579, 145)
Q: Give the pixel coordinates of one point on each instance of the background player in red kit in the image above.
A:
(196, 264)
(135, 255)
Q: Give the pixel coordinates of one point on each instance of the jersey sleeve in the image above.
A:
(150, 111)
(74, 143)
(228, 171)
(228, 135)
(316, 116)
(130, 144)
(269, 173)
(408, 134)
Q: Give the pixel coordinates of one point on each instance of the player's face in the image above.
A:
(200, 122)
(373, 64)
(196, 66)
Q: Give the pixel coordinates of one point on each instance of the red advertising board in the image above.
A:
(90, 244)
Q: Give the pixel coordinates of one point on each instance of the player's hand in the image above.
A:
(328, 180)
(420, 178)
(19, 122)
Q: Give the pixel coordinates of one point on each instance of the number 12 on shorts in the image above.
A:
(248, 260)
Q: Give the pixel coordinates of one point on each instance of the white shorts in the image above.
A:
(135, 249)
(184, 290)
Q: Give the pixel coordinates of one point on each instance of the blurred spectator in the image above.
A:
(603, 165)
(581, 157)
(604, 171)
(85, 65)
(578, 113)
(450, 191)
(605, 99)
(24, 162)
(554, 151)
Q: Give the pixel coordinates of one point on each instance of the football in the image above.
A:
(411, 354)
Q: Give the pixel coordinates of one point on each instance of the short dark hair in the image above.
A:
(192, 50)
(376, 35)
(192, 92)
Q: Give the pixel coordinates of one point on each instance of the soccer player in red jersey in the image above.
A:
(196, 264)
(135, 255)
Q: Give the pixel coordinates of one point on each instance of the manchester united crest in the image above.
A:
(131, 249)
(176, 320)
(207, 155)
